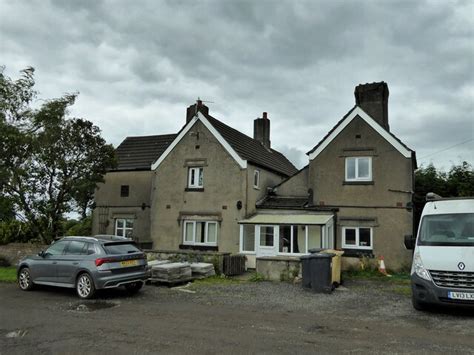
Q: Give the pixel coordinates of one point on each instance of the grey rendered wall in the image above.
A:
(110, 205)
(267, 179)
(297, 185)
(385, 200)
(224, 185)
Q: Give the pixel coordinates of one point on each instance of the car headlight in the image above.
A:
(419, 269)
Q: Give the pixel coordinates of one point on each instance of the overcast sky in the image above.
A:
(139, 64)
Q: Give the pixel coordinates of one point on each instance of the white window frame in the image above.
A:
(198, 171)
(357, 240)
(256, 176)
(357, 177)
(241, 248)
(206, 233)
(125, 229)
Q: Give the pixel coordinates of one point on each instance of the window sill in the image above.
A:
(345, 182)
(199, 247)
(256, 188)
(194, 189)
(357, 253)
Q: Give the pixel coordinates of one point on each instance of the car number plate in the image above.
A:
(129, 263)
(467, 296)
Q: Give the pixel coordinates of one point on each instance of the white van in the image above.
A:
(443, 261)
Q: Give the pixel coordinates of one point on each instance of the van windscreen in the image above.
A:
(447, 230)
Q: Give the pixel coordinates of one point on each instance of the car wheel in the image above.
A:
(85, 286)
(419, 306)
(134, 287)
(24, 279)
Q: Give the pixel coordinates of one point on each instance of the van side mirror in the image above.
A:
(410, 242)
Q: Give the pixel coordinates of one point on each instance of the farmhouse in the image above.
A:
(212, 188)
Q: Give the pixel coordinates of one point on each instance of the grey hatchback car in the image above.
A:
(86, 264)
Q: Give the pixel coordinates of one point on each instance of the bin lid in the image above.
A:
(315, 250)
(317, 256)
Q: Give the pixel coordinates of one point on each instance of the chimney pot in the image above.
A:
(193, 109)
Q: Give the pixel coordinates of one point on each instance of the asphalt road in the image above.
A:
(363, 317)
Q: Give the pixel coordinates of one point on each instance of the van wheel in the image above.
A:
(24, 279)
(134, 287)
(419, 306)
(85, 286)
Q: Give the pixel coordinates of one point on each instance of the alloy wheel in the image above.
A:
(84, 286)
(24, 279)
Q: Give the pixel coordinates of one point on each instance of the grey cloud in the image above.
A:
(299, 60)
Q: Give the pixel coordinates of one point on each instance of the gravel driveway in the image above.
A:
(237, 317)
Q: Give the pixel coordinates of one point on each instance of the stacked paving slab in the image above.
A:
(202, 270)
(168, 272)
(171, 272)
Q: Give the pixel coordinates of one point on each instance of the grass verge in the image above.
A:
(396, 278)
(8, 274)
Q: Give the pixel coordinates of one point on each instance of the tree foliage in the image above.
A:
(457, 182)
(49, 163)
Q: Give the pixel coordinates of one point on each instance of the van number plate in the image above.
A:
(461, 296)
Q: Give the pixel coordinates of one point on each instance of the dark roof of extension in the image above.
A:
(252, 150)
(279, 202)
(138, 153)
(340, 121)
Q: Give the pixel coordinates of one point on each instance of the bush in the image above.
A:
(4, 261)
(257, 277)
(15, 232)
(83, 227)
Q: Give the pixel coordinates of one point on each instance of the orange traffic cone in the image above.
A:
(382, 269)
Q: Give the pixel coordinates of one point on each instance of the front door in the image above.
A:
(267, 243)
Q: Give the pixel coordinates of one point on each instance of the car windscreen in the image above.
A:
(447, 230)
(120, 248)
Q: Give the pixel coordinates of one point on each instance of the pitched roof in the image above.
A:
(240, 146)
(348, 117)
(252, 150)
(138, 153)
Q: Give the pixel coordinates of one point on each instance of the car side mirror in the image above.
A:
(41, 253)
(410, 242)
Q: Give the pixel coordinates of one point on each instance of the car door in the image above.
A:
(70, 261)
(45, 267)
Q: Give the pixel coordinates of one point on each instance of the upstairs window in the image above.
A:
(359, 169)
(195, 178)
(256, 179)
(124, 190)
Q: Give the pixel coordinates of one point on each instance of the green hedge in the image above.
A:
(15, 232)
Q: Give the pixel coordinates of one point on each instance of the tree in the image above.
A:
(50, 164)
(458, 182)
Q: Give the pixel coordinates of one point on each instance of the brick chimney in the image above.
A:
(193, 109)
(261, 130)
(373, 99)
